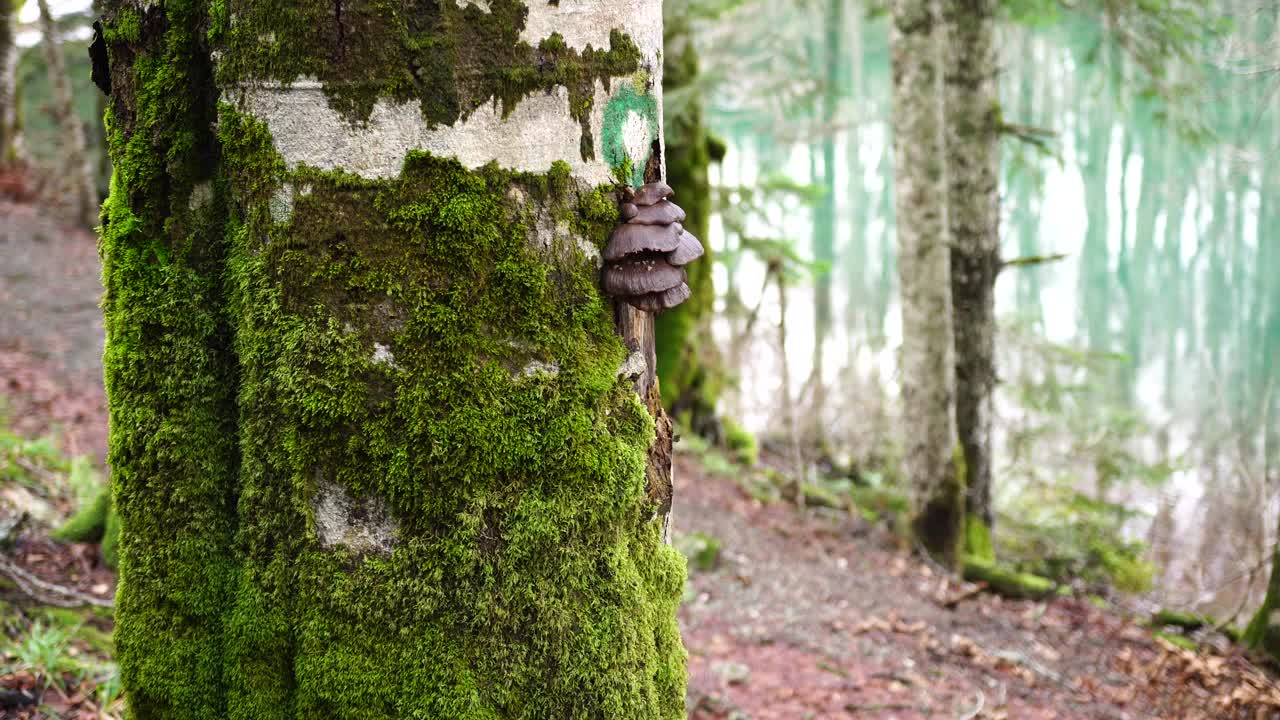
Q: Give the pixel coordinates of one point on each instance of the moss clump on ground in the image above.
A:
(741, 443)
(1007, 582)
(95, 521)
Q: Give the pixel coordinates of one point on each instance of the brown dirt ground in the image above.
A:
(810, 613)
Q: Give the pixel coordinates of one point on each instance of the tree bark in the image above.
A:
(79, 163)
(973, 215)
(688, 364)
(376, 441)
(924, 277)
(9, 148)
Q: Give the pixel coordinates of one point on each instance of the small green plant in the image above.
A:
(702, 550)
(42, 651)
(741, 443)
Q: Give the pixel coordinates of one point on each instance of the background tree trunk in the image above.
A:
(78, 163)
(8, 82)
(973, 216)
(376, 444)
(688, 364)
(924, 277)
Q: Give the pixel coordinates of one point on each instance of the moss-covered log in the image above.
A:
(375, 452)
(1005, 581)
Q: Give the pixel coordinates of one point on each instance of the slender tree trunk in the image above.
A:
(854, 257)
(688, 363)
(973, 214)
(924, 277)
(378, 449)
(9, 149)
(79, 163)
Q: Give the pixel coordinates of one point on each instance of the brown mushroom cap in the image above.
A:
(639, 277)
(659, 301)
(652, 193)
(631, 238)
(663, 212)
(628, 210)
(686, 252)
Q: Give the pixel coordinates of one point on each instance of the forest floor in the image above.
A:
(802, 613)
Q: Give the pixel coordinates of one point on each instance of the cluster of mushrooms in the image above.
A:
(646, 254)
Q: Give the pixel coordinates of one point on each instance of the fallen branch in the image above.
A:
(1031, 260)
(47, 592)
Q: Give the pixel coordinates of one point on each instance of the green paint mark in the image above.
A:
(626, 110)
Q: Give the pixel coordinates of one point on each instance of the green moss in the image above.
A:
(977, 539)
(1005, 581)
(390, 338)
(1126, 570)
(701, 550)
(1181, 641)
(525, 566)
(88, 522)
(741, 443)
(449, 59)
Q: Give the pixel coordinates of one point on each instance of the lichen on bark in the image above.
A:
(425, 358)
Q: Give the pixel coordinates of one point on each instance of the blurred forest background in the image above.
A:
(1134, 453)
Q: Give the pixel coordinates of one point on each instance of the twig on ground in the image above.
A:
(977, 710)
(47, 592)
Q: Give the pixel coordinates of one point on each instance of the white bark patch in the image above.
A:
(633, 367)
(589, 22)
(281, 204)
(364, 525)
(201, 194)
(538, 132)
(635, 136)
(382, 356)
(537, 367)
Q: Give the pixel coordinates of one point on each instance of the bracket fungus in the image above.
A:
(646, 254)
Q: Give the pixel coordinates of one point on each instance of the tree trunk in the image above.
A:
(973, 215)
(924, 276)
(688, 364)
(8, 82)
(1263, 631)
(79, 163)
(376, 444)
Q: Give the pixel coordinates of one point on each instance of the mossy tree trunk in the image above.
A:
(1263, 632)
(924, 277)
(377, 446)
(78, 163)
(689, 365)
(8, 82)
(973, 217)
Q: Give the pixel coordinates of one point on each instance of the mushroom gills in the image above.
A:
(632, 239)
(658, 301)
(641, 276)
